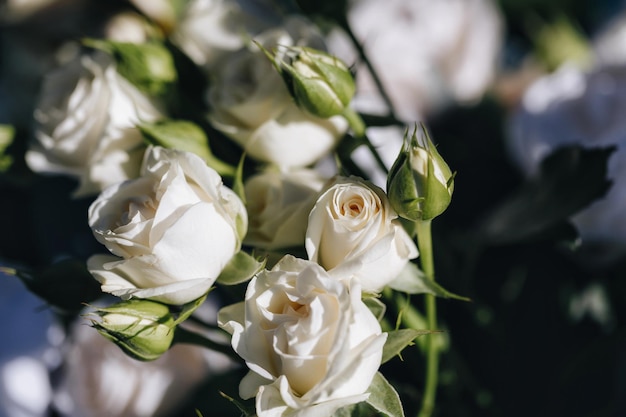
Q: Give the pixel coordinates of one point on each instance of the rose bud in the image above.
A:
(319, 82)
(420, 183)
(142, 329)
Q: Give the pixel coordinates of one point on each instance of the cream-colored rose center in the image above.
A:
(139, 209)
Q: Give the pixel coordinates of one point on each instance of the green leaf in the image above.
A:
(397, 340)
(188, 309)
(570, 179)
(149, 66)
(7, 135)
(241, 268)
(185, 136)
(413, 281)
(66, 285)
(384, 398)
(376, 306)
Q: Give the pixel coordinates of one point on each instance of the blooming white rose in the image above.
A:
(353, 232)
(427, 53)
(278, 206)
(311, 344)
(250, 104)
(573, 107)
(175, 227)
(85, 124)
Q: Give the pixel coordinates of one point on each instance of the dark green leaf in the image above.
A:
(570, 179)
(67, 285)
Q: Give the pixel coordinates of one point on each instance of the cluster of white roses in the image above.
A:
(176, 223)
(173, 228)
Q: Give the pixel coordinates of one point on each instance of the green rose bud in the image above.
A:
(142, 329)
(148, 66)
(319, 82)
(420, 183)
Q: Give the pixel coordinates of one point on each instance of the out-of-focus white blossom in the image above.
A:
(100, 380)
(426, 53)
(208, 29)
(85, 124)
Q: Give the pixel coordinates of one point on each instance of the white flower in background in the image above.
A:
(311, 344)
(278, 206)
(85, 120)
(100, 380)
(160, 11)
(26, 356)
(209, 29)
(573, 107)
(250, 104)
(127, 27)
(353, 232)
(427, 53)
(176, 227)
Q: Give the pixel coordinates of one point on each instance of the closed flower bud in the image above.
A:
(420, 183)
(142, 329)
(319, 82)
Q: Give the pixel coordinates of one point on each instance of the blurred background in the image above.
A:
(526, 101)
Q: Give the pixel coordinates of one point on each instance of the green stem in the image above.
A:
(424, 241)
(183, 335)
(343, 23)
(358, 128)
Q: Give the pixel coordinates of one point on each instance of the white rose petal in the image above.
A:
(311, 344)
(353, 233)
(85, 124)
(176, 227)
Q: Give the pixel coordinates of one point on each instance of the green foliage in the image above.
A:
(149, 66)
(570, 179)
(241, 268)
(66, 285)
(413, 281)
(384, 398)
(185, 136)
(397, 340)
(7, 135)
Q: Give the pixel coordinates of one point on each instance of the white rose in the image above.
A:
(311, 344)
(278, 206)
(353, 232)
(209, 29)
(175, 227)
(85, 122)
(427, 53)
(250, 104)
